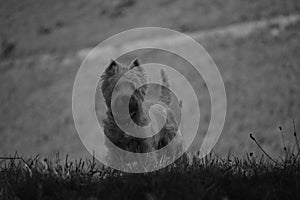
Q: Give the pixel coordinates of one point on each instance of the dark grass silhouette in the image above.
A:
(212, 177)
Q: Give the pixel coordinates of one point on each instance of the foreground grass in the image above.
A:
(253, 177)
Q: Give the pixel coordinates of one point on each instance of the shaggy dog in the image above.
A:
(139, 113)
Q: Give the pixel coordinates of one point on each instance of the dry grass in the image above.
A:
(54, 26)
(254, 177)
(260, 73)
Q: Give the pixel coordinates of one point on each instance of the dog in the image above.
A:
(141, 113)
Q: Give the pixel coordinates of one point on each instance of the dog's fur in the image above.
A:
(132, 76)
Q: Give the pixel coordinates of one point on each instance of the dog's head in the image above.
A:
(127, 83)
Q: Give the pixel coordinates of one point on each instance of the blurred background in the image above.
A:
(42, 44)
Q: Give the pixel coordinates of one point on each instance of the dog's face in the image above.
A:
(124, 82)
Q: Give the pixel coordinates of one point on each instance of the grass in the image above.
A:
(212, 177)
(260, 74)
(57, 27)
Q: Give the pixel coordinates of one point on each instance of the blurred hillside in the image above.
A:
(40, 41)
(55, 26)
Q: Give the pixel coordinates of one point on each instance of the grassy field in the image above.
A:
(40, 43)
(260, 73)
(188, 178)
(39, 63)
(61, 27)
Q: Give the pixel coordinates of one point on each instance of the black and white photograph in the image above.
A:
(154, 100)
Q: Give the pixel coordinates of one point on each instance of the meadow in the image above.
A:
(43, 45)
(212, 177)
(260, 73)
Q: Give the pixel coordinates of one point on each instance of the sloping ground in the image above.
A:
(55, 26)
(260, 73)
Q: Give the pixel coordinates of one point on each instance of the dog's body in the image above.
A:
(141, 113)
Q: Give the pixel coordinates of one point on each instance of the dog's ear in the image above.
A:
(135, 63)
(112, 68)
